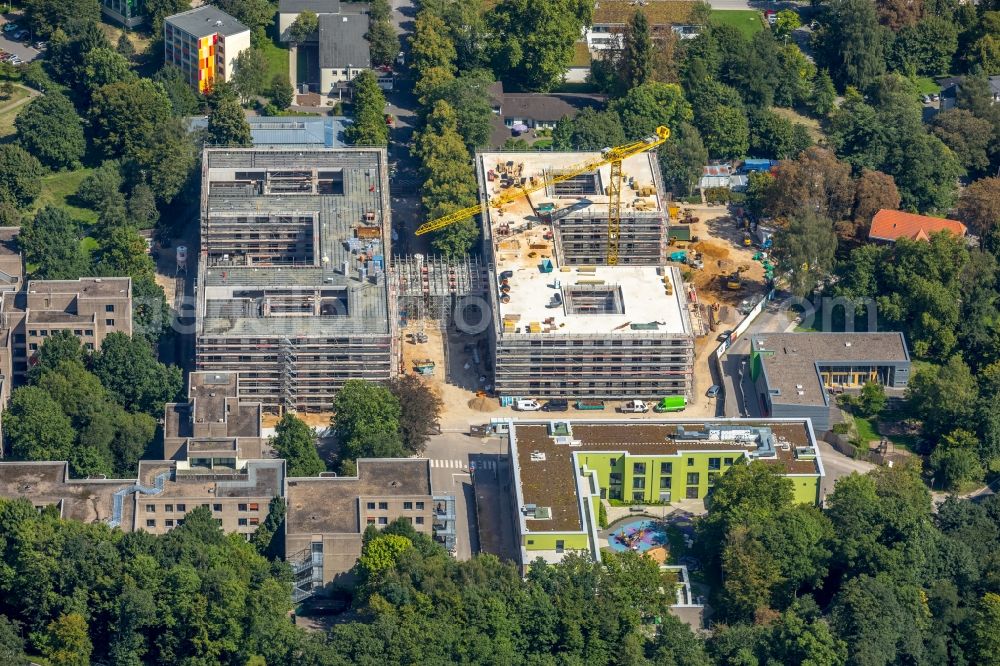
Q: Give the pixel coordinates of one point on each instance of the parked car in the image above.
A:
(14, 60)
(41, 46)
(722, 337)
(21, 35)
(527, 405)
(10, 27)
(713, 391)
(634, 407)
(556, 405)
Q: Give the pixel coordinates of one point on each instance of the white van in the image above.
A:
(527, 405)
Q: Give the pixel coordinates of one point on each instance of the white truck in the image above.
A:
(634, 407)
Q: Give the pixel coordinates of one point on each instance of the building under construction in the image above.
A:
(292, 289)
(566, 325)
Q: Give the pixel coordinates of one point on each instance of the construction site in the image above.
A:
(292, 291)
(565, 323)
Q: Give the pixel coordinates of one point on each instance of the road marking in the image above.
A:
(461, 464)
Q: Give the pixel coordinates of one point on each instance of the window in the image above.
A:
(616, 477)
(371, 506)
(693, 478)
(690, 462)
(692, 493)
(638, 496)
(242, 522)
(182, 508)
(712, 476)
(639, 468)
(666, 468)
(88, 331)
(382, 520)
(218, 521)
(371, 521)
(169, 522)
(151, 508)
(32, 333)
(253, 521)
(420, 506)
(33, 346)
(420, 520)
(216, 507)
(44, 333)
(727, 461)
(254, 506)
(109, 308)
(241, 507)
(168, 508)
(639, 482)
(407, 506)
(383, 506)
(664, 482)
(109, 322)
(560, 546)
(77, 331)
(715, 463)
(151, 523)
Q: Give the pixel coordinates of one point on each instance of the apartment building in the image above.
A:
(127, 13)
(204, 43)
(292, 291)
(795, 373)
(565, 324)
(611, 17)
(562, 470)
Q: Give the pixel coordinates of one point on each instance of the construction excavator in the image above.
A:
(613, 156)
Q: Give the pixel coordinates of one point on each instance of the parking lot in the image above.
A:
(21, 49)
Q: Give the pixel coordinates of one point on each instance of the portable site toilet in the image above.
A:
(546, 265)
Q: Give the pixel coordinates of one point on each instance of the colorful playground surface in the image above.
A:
(641, 535)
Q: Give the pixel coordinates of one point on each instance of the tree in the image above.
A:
(50, 129)
(823, 94)
(303, 27)
(123, 253)
(419, 411)
(381, 553)
(851, 43)
(51, 241)
(35, 426)
(786, 22)
(816, 181)
(66, 642)
(383, 42)
(250, 74)
(142, 210)
(263, 537)
(254, 14)
(897, 14)
(366, 417)
(11, 643)
(986, 638)
(430, 47)
(126, 114)
(228, 126)
(20, 176)
(646, 107)
(872, 399)
(682, 159)
(926, 48)
(805, 250)
(776, 137)
(955, 462)
(281, 93)
(531, 43)
(875, 191)
(157, 10)
(979, 209)
(170, 165)
(296, 443)
(45, 16)
(637, 51)
(882, 620)
(103, 66)
(101, 189)
(127, 368)
(589, 130)
(368, 128)
(182, 97)
(726, 132)
(124, 47)
(62, 345)
(469, 96)
(943, 397)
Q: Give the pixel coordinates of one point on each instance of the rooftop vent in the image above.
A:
(847, 344)
(543, 513)
(537, 456)
(805, 453)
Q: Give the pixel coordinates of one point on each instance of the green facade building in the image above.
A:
(128, 13)
(562, 470)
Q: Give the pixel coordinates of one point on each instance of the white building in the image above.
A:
(204, 43)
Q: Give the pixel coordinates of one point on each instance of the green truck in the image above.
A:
(671, 403)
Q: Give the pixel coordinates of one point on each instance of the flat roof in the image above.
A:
(206, 20)
(87, 287)
(658, 12)
(790, 367)
(290, 131)
(44, 483)
(520, 246)
(549, 480)
(230, 297)
(330, 504)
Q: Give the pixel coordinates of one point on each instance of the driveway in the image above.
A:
(837, 465)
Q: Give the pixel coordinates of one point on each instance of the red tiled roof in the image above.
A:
(891, 225)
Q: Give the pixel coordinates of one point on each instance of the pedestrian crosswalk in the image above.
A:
(463, 464)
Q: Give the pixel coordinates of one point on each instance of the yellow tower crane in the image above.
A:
(613, 156)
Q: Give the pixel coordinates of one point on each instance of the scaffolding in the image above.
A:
(426, 287)
(287, 356)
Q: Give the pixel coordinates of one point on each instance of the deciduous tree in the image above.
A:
(420, 411)
(303, 27)
(296, 443)
(227, 124)
(805, 250)
(50, 129)
(127, 368)
(51, 242)
(20, 175)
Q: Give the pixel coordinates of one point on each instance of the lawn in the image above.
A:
(58, 189)
(747, 21)
(7, 116)
(926, 85)
(868, 431)
(277, 58)
(815, 131)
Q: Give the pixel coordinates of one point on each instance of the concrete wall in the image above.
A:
(234, 45)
